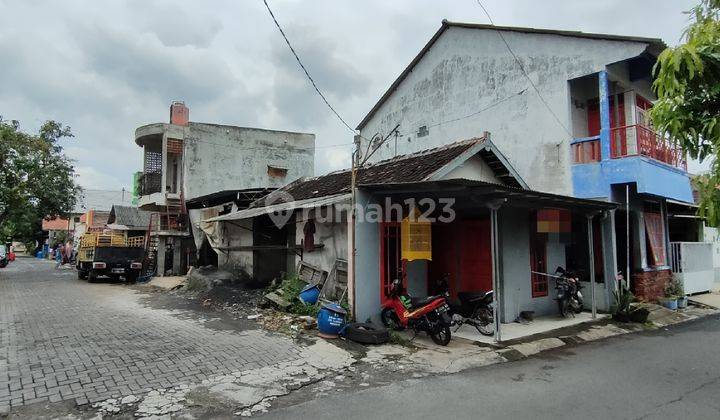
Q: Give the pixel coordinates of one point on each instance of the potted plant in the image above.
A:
(625, 312)
(682, 299)
(670, 300)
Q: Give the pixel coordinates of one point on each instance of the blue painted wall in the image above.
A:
(594, 180)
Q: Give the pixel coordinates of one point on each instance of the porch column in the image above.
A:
(591, 252)
(609, 244)
(604, 92)
(495, 254)
(160, 258)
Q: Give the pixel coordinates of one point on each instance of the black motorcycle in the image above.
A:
(473, 308)
(569, 298)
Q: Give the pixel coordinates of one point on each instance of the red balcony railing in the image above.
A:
(640, 140)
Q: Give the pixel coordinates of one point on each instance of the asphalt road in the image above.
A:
(666, 374)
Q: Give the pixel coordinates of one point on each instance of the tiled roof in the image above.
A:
(131, 217)
(413, 167)
(55, 224)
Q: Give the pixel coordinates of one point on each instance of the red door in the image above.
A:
(391, 266)
(462, 250)
(618, 136)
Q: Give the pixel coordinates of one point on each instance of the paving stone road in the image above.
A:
(62, 339)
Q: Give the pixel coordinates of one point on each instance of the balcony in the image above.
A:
(150, 183)
(630, 140)
(633, 140)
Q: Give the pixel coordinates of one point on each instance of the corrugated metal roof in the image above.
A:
(283, 207)
(131, 217)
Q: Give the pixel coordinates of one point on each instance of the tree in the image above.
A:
(687, 83)
(37, 180)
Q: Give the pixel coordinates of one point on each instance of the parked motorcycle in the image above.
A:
(473, 308)
(569, 298)
(428, 314)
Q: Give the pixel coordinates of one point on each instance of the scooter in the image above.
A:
(428, 314)
(473, 308)
(569, 298)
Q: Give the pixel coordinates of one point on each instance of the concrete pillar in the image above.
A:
(160, 261)
(637, 237)
(591, 256)
(177, 256)
(163, 172)
(609, 245)
(496, 277)
(603, 93)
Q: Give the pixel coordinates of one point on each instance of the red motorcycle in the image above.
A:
(429, 314)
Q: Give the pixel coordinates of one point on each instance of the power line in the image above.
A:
(492, 105)
(302, 66)
(522, 69)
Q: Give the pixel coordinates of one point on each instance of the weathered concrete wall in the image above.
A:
(470, 69)
(234, 236)
(475, 169)
(514, 242)
(367, 266)
(219, 157)
(332, 234)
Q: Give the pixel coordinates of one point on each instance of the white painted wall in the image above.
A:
(333, 235)
(470, 69)
(219, 157)
(475, 169)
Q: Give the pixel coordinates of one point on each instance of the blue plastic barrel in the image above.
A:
(309, 294)
(331, 319)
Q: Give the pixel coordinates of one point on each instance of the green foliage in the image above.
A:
(687, 83)
(37, 180)
(674, 289)
(623, 297)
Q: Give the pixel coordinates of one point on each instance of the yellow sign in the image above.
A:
(416, 238)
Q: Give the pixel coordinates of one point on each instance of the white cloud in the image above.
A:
(105, 68)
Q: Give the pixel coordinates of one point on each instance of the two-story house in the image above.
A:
(190, 166)
(569, 112)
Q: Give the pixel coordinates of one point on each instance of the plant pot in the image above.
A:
(639, 315)
(669, 303)
(682, 302)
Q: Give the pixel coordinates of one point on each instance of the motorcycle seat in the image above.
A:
(471, 296)
(419, 302)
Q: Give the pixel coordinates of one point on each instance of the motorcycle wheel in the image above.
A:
(441, 336)
(563, 307)
(390, 319)
(484, 322)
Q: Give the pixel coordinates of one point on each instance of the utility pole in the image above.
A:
(353, 181)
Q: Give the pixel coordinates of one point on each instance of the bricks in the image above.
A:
(650, 285)
(65, 340)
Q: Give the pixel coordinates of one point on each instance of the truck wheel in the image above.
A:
(131, 278)
(92, 276)
(82, 274)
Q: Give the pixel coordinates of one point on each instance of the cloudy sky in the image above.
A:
(107, 67)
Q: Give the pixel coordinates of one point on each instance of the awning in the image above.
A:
(282, 207)
(479, 191)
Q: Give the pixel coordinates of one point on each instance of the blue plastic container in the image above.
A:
(309, 294)
(670, 304)
(331, 319)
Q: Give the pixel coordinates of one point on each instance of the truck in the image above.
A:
(110, 254)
